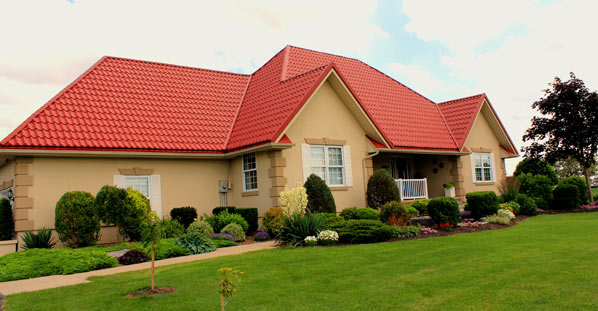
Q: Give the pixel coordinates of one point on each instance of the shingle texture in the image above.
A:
(130, 105)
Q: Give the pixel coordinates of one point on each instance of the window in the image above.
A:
(249, 172)
(139, 183)
(327, 162)
(483, 167)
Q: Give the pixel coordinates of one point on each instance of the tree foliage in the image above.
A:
(382, 189)
(536, 166)
(319, 197)
(570, 167)
(569, 112)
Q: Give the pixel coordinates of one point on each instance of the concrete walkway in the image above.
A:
(53, 281)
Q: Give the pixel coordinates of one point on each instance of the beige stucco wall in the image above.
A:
(423, 167)
(482, 138)
(326, 116)
(237, 197)
(183, 182)
(7, 171)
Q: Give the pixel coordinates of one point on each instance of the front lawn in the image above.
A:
(546, 262)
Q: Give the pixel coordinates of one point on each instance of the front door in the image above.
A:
(401, 168)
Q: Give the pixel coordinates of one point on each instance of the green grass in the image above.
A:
(547, 262)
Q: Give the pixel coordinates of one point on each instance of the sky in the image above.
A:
(510, 50)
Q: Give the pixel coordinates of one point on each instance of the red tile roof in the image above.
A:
(130, 105)
(460, 114)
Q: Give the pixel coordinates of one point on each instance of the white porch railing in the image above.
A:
(411, 189)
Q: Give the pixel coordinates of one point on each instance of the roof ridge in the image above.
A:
(449, 128)
(232, 126)
(301, 48)
(51, 101)
(174, 65)
(461, 99)
(307, 72)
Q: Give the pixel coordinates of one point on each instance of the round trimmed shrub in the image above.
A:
(235, 230)
(7, 224)
(527, 206)
(272, 221)
(349, 213)
(393, 213)
(132, 257)
(367, 213)
(538, 187)
(566, 197)
(535, 166)
(319, 197)
(362, 231)
(382, 189)
(202, 227)
(225, 218)
(481, 203)
(137, 208)
(329, 218)
(75, 219)
(184, 215)
(421, 205)
(581, 184)
(443, 210)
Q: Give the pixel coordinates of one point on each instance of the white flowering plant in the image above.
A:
(506, 213)
(293, 200)
(328, 237)
(310, 241)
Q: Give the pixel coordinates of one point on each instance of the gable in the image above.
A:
(486, 131)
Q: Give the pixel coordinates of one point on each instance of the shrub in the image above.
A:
(196, 243)
(421, 205)
(137, 209)
(538, 187)
(41, 239)
(171, 228)
(444, 210)
(393, 213)
(272, 221)
(250, 215)
(297, 227)
(261, 236)
(566, 196)
(349, 213)
(220, 209)
(482, 203)
(367, 213)
(329, 218)
(184, 215)
(75, 219)
(328, 237)
(132, 257)
(222, 236)
(202, 227)
(225, 218)
(511, 206)
(362, 231)
(402, 232)
(319, 197)
(527, 206)
(382, 189)
(7, 224)
(581, 184)
(219, 243)
(41, 262)
(496, 219)
(509, 188)
(536, 167)
(293, 200)
(411, 211)
(167, 248)
(235, 230)
(127, 209)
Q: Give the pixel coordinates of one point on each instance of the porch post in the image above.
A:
(458, 178)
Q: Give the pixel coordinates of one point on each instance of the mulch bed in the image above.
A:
(150, 292)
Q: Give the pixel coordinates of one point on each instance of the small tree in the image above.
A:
(319, 197)
(536, 166)
(228, 284)
(152, 234)
(567, 125)
(7, 223)
(382, 189)
(75, 219)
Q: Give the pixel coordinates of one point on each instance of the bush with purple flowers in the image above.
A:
(223, 236)
(261, 236)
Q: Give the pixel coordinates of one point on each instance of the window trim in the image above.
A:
(243, 171)
(327, 165)
(149, 183)
(474, 167)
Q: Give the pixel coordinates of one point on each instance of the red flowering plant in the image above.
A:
(447, 226)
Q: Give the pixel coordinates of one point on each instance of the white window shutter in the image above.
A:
(119, 181)
(472, 162)
(348, 168)
(156, 194)
(492, 164)
(305, 160)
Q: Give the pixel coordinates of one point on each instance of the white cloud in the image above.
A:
(557, 38)
(47, 44)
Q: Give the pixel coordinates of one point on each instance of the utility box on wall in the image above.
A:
(223, 186)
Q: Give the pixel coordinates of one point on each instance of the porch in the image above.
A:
(420, 176)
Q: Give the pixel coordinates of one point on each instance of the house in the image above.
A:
(195, 137)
